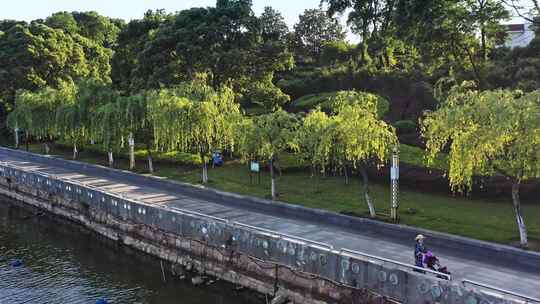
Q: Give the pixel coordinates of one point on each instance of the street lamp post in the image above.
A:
(131, 143)
(394, 184)
(16, 136)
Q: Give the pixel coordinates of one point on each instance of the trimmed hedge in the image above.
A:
(309, 102)
(405, 126)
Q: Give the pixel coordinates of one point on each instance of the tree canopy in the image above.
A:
(489, 133)
(314, 29)
(266, 136)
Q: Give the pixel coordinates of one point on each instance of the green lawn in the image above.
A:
(417, 157)
(490, 220)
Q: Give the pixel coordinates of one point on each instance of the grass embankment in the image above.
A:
(490, 220)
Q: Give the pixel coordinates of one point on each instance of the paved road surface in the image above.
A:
(482, 270)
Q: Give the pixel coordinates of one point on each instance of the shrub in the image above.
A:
(181, 157)
(308, 102)
(405, 126)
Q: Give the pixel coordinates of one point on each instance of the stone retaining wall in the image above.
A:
(261, 260)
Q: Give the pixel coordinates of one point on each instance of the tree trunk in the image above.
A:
(369, 202)
(318, 180)
(111, 159)
(205, 170)
(26, 139)
(519, 217)
(131, 141)
(149, 157)
(346, 172)
(47, 148)
(75, 151)
(273, 178)
(483, 41)
(16, 131)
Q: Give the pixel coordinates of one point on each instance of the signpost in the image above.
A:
(254, 168)
(394, 185)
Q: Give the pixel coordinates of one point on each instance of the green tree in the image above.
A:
(36, 56)
(224, 42)
(127, 70)
(368, 100)
(265, 94)
(98, 28)
(213, 123)
(69, 126)
(487, 15)
(135, 119)
(194, 117)
(489, 133)
(314, 30)
(76, 119)
(21, 116)
(273, 26)
(445, 33)
(267, 137)
(96, 34)
(373, 20)
(63, 21)
(35, 112)
(315, 140)
(361, 138)
(217, 41)
(336, 51)
(108, 127)
(170, 114)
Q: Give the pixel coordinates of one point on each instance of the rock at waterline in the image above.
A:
(197, 280)
(16, 263)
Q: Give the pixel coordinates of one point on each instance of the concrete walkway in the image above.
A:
(479, 269)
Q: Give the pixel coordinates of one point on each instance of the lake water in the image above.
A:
(62, 263)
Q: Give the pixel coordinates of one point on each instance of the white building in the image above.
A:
(518, 34)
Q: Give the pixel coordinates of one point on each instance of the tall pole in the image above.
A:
(131, 143)
(17, 136)
(394, 184)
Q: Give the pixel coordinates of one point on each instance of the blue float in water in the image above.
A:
(101, 301)
(16, 263)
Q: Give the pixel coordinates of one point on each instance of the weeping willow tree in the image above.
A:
(214, 119)
(21, 116)
(75, 119)
(92, 94)
(489, 133)
(269, 135)
(109, 128)
(35, 112)
(136, 120)
(69, 126)
(170, 115)
(361, 138)
(315, 144)
(194, 118)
